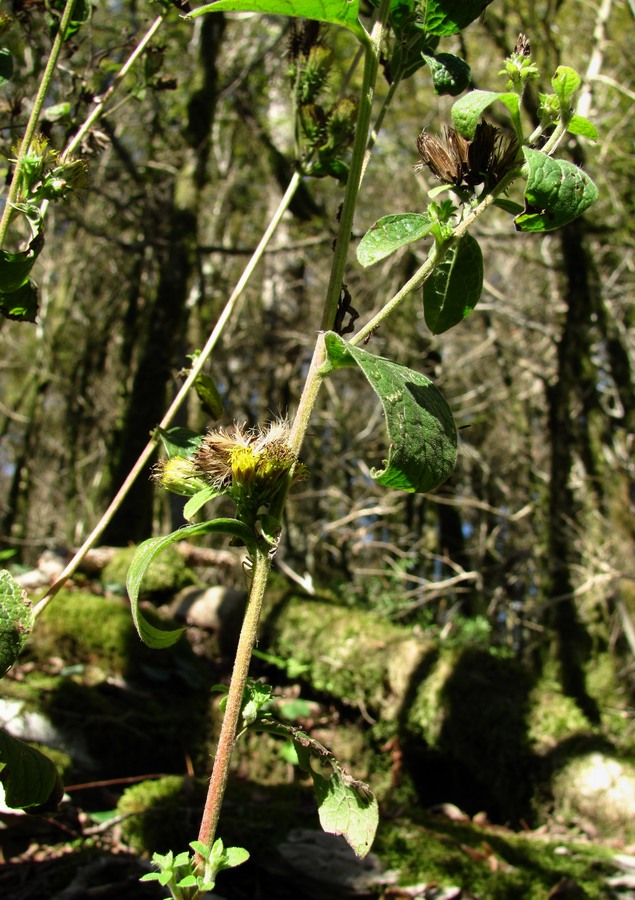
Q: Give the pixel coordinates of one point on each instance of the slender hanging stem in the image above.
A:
(34, 117)
(167, 419)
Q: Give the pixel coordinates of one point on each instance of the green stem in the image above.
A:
(34, 118)
(371, 65)
(167, 419)
(226, 739)
(432, 261)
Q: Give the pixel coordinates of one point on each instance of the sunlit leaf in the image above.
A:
(565, 83)
(16, 620)
(179, 441)
(583, 127)
(336, 12)
(345, 806)
(467, 111)
(390, 233)
(421, 430)
(159, 638)
(557, 192)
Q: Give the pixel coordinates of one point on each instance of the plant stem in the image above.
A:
(167, 419)
(371, 65)
(98, 109)
(226, 739)
(433, 260)
(34, 117)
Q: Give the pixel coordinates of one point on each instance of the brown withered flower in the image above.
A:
(454, 160)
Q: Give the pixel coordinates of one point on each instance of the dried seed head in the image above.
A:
(455, 160)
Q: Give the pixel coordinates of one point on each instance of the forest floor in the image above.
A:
(126, 714)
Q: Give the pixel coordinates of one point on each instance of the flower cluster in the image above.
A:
(250, 465)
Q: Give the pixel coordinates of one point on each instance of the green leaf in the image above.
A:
(159, 638)
(29, 778)
(450, 74)
(235, 856)
(82, 12)
(345, 806)
(199, 500)
(179, 441)
(557, 192)
(421, 430)
(336, 12)
(389, 233)
(565, 83)
(6, 66)
(445, 17)
(454, 287)
(580, 125)
(207, 391)
(20, 305)
(16, 620)
(467, 111)
(15, 268)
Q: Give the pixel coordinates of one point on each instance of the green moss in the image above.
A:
(349, 654)
(161, 815)
(124, 707)
(496, 865)
(89, 630)
(167, 574)
(553, 717)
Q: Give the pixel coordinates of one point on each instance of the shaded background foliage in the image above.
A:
(530, 542)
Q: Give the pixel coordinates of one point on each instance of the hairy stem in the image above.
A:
(34, 117)
(226, 739)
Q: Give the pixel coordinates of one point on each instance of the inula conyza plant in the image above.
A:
(475, 164)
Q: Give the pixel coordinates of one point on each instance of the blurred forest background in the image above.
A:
(528, 550)
(533, 536)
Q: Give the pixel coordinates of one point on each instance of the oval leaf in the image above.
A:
(454, 287)
(389, 234)
(345, 806)
(557, 192)
(565, 83)
(21, 305)
(580, 125)
(337, 12)
(29, 778)
(16, 620)
(159, 638)
(422, 434)
(179, 441)
(467, 111)
(444, 17)
(450, 74)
